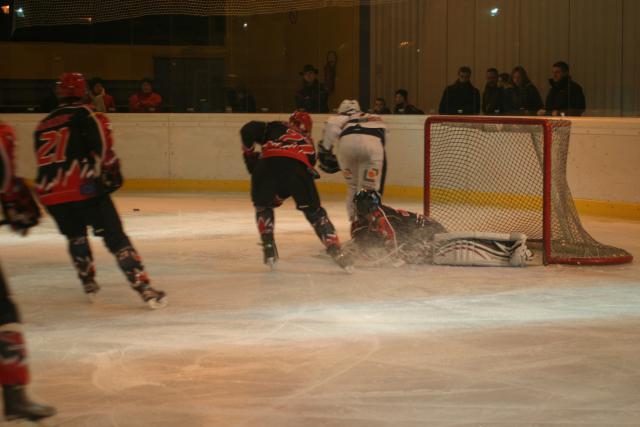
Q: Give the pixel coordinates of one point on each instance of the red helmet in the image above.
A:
(71, 85)
(301, 121)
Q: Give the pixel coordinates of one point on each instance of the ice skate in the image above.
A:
(91, 289)
(342, 259)
(270, 252)
(155, 299)
(18, 406)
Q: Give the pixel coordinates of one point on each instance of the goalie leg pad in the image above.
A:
(481, 249)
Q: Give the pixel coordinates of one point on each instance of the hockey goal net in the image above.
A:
(508, 175)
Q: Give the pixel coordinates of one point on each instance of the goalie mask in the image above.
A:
(301, 122)
(366, 202)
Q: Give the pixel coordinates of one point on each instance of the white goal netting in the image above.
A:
(28, 13)
(509, 175)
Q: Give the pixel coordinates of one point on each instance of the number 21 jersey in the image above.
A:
(71, 143)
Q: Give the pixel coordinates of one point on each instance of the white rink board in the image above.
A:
(603, 161)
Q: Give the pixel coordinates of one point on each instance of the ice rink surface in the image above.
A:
(309, 345)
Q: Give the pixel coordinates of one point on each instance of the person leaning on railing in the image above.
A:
(524, 96)
(146, 100)
(100, 100)
(461, 97)
(565, 98)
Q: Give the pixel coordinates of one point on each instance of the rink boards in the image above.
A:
(200, 152)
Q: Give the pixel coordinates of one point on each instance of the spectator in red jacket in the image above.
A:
(146, 100)
(101, 101)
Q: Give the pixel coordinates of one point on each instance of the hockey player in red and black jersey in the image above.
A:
(21, 213)
(284, 168)
(77, 172)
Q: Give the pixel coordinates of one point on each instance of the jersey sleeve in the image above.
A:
(332, 130)
(252, 133)
(99, 137)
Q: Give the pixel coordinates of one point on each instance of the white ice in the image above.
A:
(308, 345)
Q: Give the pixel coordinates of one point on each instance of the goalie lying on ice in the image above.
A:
(383, 234)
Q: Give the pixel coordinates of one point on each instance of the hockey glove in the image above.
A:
(19, 207)
(250, 158)
(111, 177)
(328, 161)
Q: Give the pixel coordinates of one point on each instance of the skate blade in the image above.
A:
(398, 263)
(156, 304)
(349, 269)
(92, 297)
(24, 422)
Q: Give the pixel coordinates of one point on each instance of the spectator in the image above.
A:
(99, 98)
(506, 86)
(146, 100)
(565, 96)
(461, 97)
(312, 96)
(380, 107)
(403, 106)
(525, 98)
(240, 100)
(492, 95)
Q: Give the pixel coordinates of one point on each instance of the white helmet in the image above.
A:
(349, 106)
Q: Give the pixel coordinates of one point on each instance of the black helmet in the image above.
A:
(366, 201)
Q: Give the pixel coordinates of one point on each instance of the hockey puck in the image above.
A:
(136, 210)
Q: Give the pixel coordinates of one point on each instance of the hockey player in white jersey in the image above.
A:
(360, 139)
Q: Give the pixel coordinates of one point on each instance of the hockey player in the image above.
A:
(360, 154)
(407, 237)
(21, 212)
(77, 171)
(284, 168)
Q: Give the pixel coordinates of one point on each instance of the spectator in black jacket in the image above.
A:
(524, 97)
(461, 97)
(312, 96)
(565, 96)
(492, 95)
(403, 106)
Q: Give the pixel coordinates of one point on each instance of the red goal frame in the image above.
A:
(546, 125)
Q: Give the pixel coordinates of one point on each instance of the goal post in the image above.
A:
(506, 175)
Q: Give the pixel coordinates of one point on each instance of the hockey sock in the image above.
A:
(82, 258)
(13, 356)
(131, 264)
(323, 227)
(266, 222)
